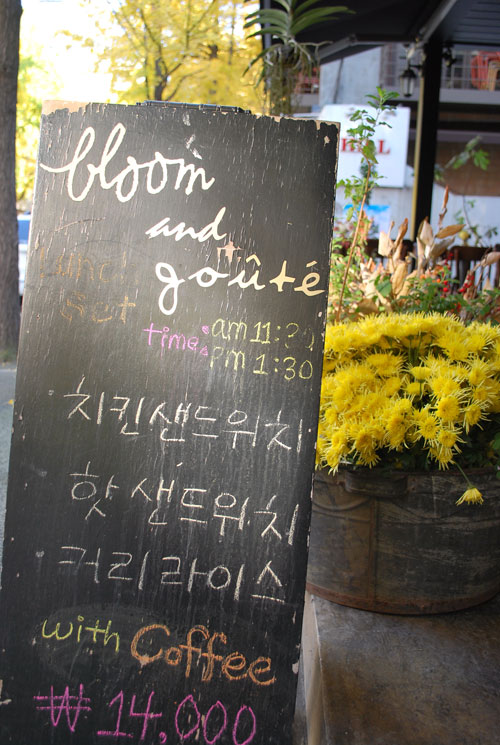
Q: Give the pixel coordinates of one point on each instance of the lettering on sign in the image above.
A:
(164, 427)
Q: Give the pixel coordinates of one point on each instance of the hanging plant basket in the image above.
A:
(399, 543)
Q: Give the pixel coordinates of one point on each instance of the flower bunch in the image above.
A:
(416, 391)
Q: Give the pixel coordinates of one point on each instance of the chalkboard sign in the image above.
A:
(164, 427)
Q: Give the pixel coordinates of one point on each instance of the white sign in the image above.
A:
(391, 142)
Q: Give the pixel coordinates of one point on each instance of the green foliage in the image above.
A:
(383, 285)
(430, 295)
(475, 234)
(471, 152)
(287, 58)
(438, 293)
(358, 188)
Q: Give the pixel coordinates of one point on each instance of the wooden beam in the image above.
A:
(426, 134)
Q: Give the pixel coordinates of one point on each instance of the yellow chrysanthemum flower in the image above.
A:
(428, 427)
(473, 414)
(447, 438)
(442, 455)
(442, 385)
(413, 388)
(471, 496)
(448, 409)
(420, 372)
(479, 372)
(385, 364)
(394, 382)
(391, 386)
(402, 405)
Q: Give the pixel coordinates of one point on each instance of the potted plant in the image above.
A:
(406, 499)
(409, 447)
(284, 58)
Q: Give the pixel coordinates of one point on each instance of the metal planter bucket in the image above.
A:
(400, 544)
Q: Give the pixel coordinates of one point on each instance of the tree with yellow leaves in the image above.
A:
(182, 50)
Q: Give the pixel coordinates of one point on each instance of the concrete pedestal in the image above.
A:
(376, 679)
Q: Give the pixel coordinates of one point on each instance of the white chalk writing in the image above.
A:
(126, 182)
(175, 573)
(179, 422)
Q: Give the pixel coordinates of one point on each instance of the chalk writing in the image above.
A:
(77, 265)
(169, 339)
(234, 360)
(263, 332)
(149, 645)
(170, 501)
(71, 705)
(181, 231)
(126, 182)
(176, 573)
(147, 716)
(208, 277)
(211, 726)
(77, 304)
(187, 421)
(188, 706)
(236, 357)
(74, 631)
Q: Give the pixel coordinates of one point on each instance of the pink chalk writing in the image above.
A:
(146, 715)
(189, 700)
(170, 340)
(189, 722)
(65, 703)
(215, 707)
(188, 707)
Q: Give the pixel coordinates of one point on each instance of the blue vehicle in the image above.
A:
(23, 228)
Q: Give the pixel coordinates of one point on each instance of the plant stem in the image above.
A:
(467, 480)
(353, 242)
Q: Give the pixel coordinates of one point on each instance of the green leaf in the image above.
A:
(311, 18)
(383, 285)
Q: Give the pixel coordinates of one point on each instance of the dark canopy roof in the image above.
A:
(430, 25)
(374, 22)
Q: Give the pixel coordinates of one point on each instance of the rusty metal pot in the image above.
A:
(400, 544)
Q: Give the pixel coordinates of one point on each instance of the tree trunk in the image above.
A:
(10, 16)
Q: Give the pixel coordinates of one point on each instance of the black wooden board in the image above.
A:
(164, 427)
